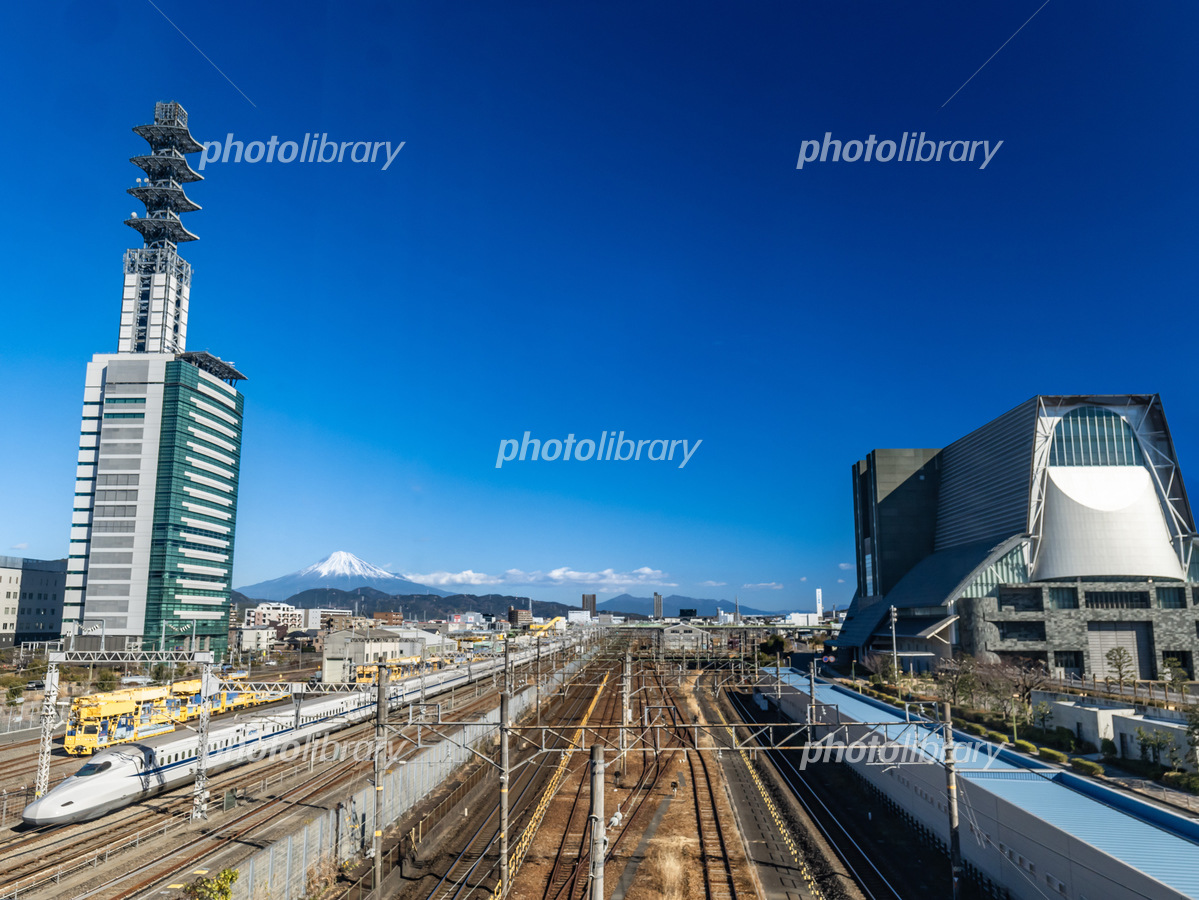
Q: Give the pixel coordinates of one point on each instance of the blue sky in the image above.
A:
(596, 223)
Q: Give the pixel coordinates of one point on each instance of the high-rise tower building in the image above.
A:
(160, 444)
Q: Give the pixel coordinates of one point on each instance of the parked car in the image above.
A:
(34, 685)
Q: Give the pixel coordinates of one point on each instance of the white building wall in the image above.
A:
(115, 549)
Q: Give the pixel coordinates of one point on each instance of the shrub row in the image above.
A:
(1086, 766)
(1056, 756)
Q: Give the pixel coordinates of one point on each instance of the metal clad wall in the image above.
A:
(985, 480)
(1135, 637)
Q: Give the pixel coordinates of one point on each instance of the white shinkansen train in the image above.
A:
(127, 773)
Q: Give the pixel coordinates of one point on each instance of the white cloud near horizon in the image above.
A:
(713, 583)
(844, 567)
(24, 545)
(765, 585)
(604, 581)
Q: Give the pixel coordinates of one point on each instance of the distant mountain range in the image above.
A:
(343, 581)
(417, 607)
(672, 604)
(341, 570)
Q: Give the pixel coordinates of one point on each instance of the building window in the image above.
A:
(1117, 599)
(1172, 597)
(1068, 659)
(1021, 631)
(1020, 600)
(1092, 436)
(118, 479)
(111, 496)
(1063, 598)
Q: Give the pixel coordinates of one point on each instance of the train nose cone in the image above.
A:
(47, 811)
(32, 815)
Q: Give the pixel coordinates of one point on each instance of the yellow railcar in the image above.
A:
(397, 667)
(100, 720)
(115, 717)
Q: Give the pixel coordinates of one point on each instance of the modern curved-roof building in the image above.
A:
(1055, 532)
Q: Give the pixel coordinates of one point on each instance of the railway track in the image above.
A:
(873, 884)
(23, 857)
(475, 868)
(570, 873)
(569, 876)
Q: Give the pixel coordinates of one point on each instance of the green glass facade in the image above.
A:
(195, 510)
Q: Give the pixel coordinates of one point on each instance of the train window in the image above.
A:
(93, 769)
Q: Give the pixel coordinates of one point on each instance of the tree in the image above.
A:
(956, 678)
(1177, 675)
(1153, 743)
(1192, 733)
(883, 665)
(218, 887)
(1043, 713)
(1026, 677)
(1120, 660)
(106, 679)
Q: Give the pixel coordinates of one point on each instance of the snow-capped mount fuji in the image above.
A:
(340, 570)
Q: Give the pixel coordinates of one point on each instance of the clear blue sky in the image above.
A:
(596, 223)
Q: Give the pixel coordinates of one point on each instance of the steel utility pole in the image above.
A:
(380, 756)
(537, 683)
(812, 695)
(504, 773)
(599, 841)
(625, 685)
(894, 648)
(951, 791)
(507, 665)
(778, 678)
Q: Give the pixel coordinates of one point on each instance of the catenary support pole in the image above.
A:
(504, 780)
(951, 791)
(200, 791)
(812, 695)
(625, 686)
(599, 841)
(48, 721)
(380, 757)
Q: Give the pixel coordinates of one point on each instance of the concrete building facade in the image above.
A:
(31, 598)
(1056, 532)
(345, 650)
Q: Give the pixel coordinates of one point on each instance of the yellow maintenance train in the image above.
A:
(116, 717)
